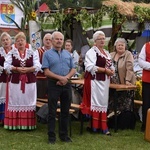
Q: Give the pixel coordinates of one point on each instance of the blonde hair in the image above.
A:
(20, 35)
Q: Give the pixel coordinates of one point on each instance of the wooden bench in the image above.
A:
(138, 102)
(42, 100)
(40, 104)
(71, 111)
(45, 100)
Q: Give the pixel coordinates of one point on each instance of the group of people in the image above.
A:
(22, 71)
(103, 68)
(19, 68)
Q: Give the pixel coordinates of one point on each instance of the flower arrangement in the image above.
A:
(32, 15)
(138, 92)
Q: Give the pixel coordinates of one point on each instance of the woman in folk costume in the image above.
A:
(5, 40)
(21, 64)
(98, 69)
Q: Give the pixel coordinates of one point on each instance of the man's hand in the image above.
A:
(63, 81)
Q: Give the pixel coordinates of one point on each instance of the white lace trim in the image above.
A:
(2, 101)
(95, 68)
(100, 54)
(2, 52)
(29, 53)
(21, 108)
(99, 109)
(1, 70)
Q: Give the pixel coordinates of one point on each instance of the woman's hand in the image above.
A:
(109, 72)
(24, 69)
(128, 83)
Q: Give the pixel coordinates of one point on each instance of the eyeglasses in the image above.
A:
(101, 39)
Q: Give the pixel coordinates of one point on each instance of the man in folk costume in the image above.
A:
(41, 79)
(144, 62)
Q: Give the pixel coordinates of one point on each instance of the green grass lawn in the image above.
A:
(37, 140)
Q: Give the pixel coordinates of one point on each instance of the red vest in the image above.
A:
(146, 73)
(41, 74)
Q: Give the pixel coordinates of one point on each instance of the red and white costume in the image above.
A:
(21, 91)
(96, 87)
(3, 78)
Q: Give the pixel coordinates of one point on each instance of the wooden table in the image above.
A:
(116, 87)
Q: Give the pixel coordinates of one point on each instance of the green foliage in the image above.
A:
(63, 4)
(143, 14)
(90, 20)
(115, 15)
(74, 3)
(117, 22)
(27, 7)
(59, 16)
(84, 14)
(85, 18)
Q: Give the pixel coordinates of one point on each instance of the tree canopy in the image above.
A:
(82, 3)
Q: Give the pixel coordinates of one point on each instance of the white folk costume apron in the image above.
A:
(21, 91)
(96, 88)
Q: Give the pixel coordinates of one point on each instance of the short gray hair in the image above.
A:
(122, 40)
(56, 32)
(96, 34)
(47, 35)
(5, 34)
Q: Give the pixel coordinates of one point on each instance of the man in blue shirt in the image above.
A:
(58, 68)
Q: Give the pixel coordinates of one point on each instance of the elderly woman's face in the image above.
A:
(20, 43)
(100, 41)
(6, 41)
(120, 47)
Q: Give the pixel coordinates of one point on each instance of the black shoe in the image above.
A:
(89, 129)
(66, 139)
(51, 141)
(142, 128)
